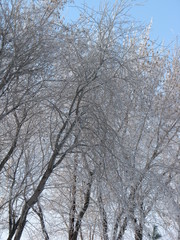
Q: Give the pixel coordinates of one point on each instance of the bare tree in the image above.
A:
(89, 123)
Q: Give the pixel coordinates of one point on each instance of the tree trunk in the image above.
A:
(122, 229)
(138, 231)
(80, 216)
(104, 218)
(178, 228)
(73, 206)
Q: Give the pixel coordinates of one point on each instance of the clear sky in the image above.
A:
(165, 15)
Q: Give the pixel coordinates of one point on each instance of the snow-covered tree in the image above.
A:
(89, 125)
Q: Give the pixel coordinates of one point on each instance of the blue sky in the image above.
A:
(165, 15)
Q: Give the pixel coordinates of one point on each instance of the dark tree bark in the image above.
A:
(122, 229)
(138, 230)
(73, 205)
(104, 218)
(80, 216)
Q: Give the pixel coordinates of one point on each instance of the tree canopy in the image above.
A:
(89, 126)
